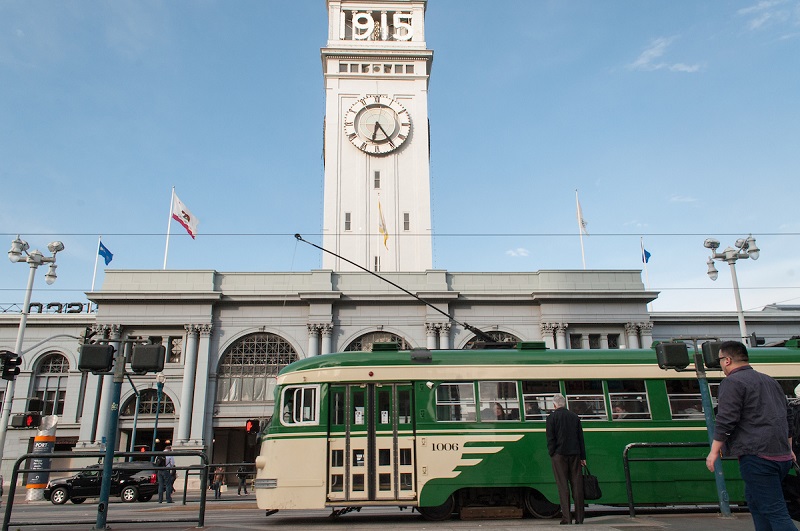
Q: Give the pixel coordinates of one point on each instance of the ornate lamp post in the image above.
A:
(19, 254)
(160, 379)
(745, 248)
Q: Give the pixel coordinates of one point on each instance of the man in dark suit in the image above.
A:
(567, 454)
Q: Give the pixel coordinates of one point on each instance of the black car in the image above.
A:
(129, 481)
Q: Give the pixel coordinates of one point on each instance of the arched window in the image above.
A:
(148, 403)
(248, 368)
(365, 342)
(51, 382)
(497, 335)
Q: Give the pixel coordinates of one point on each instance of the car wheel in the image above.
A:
(129, 494)
(146, 498)
(59, 496)
(78, 500)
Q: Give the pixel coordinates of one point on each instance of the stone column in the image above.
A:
(631, 330)
(585, 341)
(431, 335)
(444, 336)
(187, 391)
(604, 341)
(561, 335)
(547, 330)
(201, 399)
(646, 330)
(313, 339)
(327, 335)
(113, 332)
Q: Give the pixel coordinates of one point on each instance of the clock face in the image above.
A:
(377, 124)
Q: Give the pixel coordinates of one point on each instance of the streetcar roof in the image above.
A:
(517, 356)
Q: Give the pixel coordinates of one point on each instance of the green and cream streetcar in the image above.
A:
(452, 430)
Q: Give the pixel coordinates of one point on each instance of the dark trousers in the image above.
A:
(165, 481)
(567, 471)
(764, 494)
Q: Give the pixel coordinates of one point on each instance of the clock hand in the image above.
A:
(378, 126)
(375, 131)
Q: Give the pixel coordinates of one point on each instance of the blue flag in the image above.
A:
(645, 255)
(105, 253)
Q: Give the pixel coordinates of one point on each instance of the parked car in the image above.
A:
(129, 481)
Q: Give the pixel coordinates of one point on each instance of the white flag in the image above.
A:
(182, 215)
(581, 222)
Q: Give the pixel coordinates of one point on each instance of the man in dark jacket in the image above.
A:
(567, 455)
(752, 425)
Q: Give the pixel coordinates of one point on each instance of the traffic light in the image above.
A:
(32, 420)
(26, 420)
(11, 363)
(148, 358)
(96, 358)
(251, 426)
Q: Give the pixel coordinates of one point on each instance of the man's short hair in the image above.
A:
(735, 349)
(559, 400)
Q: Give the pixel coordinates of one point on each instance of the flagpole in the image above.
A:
(169, 224)
(646, 274)
(96, 257)
(580, 226)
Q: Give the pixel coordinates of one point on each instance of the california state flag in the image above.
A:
(184, 216)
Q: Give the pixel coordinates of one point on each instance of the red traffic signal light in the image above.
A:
(251, 426)
(32, 420)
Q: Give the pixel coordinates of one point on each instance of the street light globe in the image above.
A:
(752, 249)
(160, 378)
(51, 276)
(712, 271)
(18, 246)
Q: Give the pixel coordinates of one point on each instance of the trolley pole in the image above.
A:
(708, 411)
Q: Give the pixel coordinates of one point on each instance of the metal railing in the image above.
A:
(626, 463)
(201, 470)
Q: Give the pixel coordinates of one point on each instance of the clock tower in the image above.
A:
(377, 174)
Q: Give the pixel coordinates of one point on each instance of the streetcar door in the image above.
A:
(371, 443)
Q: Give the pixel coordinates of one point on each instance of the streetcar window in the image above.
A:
(499, 400)
(455, 402)
(537, 396)
(585, 399)
(788, 386)
(628, 400)
(300, 405)
(684, 399)
(404, 406)
(337, 407)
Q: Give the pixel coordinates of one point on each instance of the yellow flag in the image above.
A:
(382, 226)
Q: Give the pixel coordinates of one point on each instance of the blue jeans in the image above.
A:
(762, 489)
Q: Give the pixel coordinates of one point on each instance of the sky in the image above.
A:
(674, 121)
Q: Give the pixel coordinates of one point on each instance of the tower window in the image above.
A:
(342, 67)
(347, 221)
(409, 69)
(377, 263)
(377, 179)
(406, 221)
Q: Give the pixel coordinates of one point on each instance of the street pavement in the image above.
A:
(240, 513)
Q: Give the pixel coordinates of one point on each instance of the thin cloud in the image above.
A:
(519, 251)
(650, 59)
(766, 12)
(682, 199)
